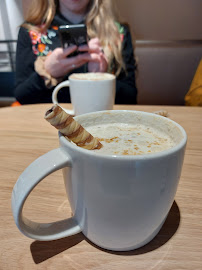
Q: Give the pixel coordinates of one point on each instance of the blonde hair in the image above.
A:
(100, 20)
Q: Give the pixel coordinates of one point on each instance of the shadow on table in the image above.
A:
(43, 250)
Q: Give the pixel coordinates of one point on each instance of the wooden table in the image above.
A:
(25, 135)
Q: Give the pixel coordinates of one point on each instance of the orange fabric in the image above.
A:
(16, 103)
(194, 95)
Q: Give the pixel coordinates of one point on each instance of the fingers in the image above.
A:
(94, 46)
(103, 63)
(69, 50)
(71, 63)
(94, 57)
(83, 48)
(94, 41)
(57, 64)
(97, 63)
(84, 57)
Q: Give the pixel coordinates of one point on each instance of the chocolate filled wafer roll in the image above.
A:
(71, 129)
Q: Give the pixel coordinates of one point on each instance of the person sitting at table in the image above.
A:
(41, 62)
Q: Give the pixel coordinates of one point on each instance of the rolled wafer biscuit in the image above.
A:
(71, 129)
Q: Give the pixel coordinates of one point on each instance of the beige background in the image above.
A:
(161, 19)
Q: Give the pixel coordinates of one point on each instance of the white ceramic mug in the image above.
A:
(119, 202)
(89, 92)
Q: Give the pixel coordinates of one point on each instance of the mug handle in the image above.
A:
(32, 175)
(55, 92)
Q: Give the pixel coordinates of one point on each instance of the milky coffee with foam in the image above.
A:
(133, 136)
(92, 76)
(125, 139)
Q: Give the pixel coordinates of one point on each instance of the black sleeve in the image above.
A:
(126, 91)
(30, 87)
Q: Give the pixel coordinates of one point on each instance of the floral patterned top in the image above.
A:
(42, 42)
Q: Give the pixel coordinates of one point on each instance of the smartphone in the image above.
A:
(73, 35)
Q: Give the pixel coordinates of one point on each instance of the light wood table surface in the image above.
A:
(25, 135)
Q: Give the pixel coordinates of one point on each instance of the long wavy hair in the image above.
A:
(100, 19)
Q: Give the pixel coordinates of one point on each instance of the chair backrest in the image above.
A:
(166, 70)
(7, 84)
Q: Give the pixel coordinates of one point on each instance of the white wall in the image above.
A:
(10, 18)
(163, 19)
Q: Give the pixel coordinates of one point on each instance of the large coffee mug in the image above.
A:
(118, 201)
(89, 92)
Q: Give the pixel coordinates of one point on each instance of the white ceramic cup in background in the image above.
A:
(119, 202)
(89, 92)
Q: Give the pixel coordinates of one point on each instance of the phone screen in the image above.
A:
(73, 35)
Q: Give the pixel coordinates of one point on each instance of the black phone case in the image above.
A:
(73, 35)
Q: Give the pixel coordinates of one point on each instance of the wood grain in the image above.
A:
(25, 135)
